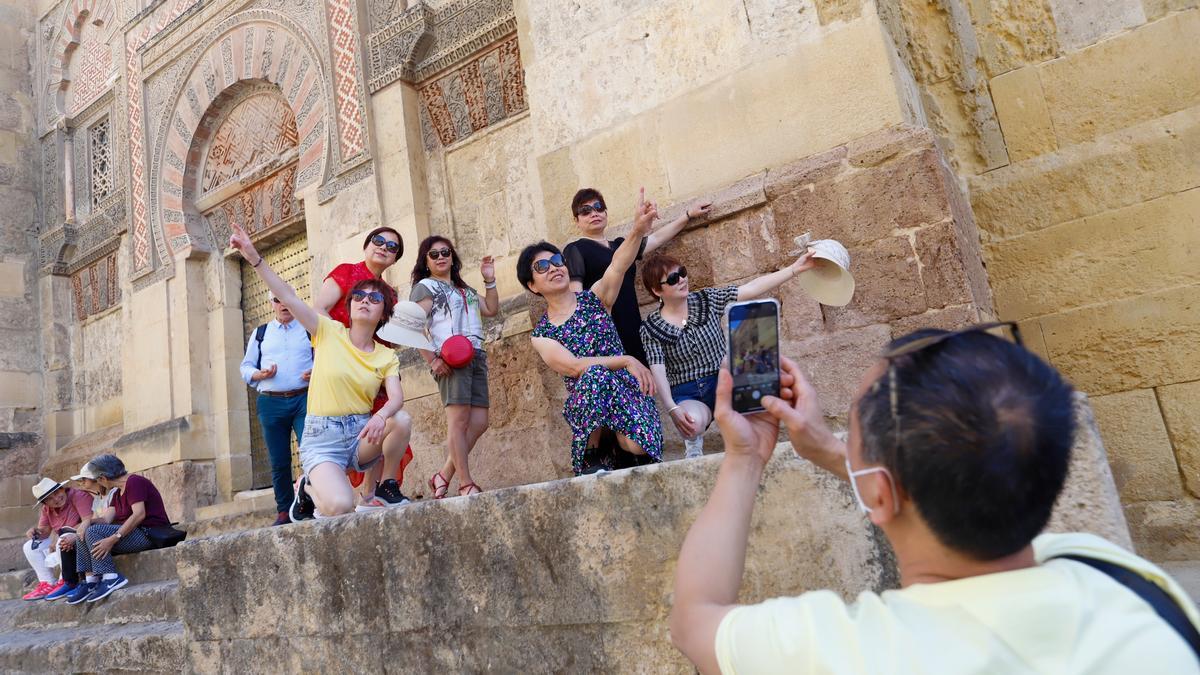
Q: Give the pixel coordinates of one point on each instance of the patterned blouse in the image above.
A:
(694, 351)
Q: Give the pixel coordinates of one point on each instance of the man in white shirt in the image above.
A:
(958, 448)
(278, 363)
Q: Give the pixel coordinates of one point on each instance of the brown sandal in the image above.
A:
(439, 491)
(467, 488)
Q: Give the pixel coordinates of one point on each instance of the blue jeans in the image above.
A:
(279, 418)
(703, 390)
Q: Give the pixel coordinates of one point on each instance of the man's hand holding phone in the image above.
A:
(800, 411)
(747, 436)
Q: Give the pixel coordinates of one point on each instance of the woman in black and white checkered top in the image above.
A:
(685, 340)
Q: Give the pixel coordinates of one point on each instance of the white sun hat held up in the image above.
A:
(407, 326)
(830, 282)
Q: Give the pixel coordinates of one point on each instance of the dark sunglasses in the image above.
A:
(436, 253)
(676, 276)
(910, 348)
(542, 266)
(375, 297)
(589, 209)
(275, 300)
(388, 244)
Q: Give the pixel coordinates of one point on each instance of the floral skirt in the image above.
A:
(611, 399)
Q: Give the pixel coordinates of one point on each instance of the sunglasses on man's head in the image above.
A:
(375, 297)
(675, 277)
(389, 245)
(589, 209)
(435, 253)
(542, 266)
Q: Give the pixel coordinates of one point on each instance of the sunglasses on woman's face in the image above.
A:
(435, 253)
(542, 266)
(374, 297)
(387, 244)
(675, 277)
(589, 209)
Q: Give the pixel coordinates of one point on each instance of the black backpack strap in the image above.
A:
(258, 337)
(1161, 601)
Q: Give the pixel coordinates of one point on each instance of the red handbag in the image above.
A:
(457, 350)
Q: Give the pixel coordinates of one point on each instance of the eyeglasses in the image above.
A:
(589, 209)
(919, 345)
(375, 297)
(676, 276)
(388, 244)
(436, 253)
(542, 266)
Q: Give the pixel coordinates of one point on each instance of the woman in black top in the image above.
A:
(588, 257)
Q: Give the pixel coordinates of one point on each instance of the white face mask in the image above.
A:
(863, 472)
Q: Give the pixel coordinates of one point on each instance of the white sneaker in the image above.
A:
(693, 448)
(370, 504)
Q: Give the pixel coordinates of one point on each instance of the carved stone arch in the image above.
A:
(255, 46)
(64, 47)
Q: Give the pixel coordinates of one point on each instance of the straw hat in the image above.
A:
(830, 282)
(44, 488)
(407, 326)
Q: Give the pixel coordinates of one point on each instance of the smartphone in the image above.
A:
(753, 352)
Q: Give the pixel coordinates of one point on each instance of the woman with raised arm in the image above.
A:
(685, 339)
(349, 368)
(454, 308)
(608, 392)
(382, 248)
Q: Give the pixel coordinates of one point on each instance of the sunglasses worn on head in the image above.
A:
(589, 209)
(375, 297)
(435, 253)
(389, 245)
(675, 277)
(542, 266)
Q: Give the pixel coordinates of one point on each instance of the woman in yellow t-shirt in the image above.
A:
(348, 370)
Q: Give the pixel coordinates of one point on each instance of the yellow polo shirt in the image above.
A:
(345, 380)
(1058, 618)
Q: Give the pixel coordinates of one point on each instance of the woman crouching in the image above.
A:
(349, 367)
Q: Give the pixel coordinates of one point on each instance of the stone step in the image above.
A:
(136, 603)
(147, 566)
(150, 647)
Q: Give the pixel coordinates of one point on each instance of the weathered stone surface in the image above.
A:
(1138, 448)
(1157, 8)
(1165, 530)
(834, 362)
(887, 285)
(948, 318)
(838, 10)
(1140, 342)
(1081, 23)
(1014, 33)
(1021, 110)
(1181, 411)
(156, 647)
(1103, 88)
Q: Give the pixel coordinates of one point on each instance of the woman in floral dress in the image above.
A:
(607, 391)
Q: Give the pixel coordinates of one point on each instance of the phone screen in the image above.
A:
(754, 352)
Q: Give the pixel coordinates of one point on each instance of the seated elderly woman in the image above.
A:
(608, 392)
(132, 523)
(349, 368)
(62, 508)
(685, 339)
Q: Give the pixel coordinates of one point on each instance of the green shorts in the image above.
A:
(467, 385)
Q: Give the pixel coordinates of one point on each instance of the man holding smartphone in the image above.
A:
(959, 446)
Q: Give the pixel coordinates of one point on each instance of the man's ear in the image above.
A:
(882, 495)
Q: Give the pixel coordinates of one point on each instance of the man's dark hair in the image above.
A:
(389, 299)
(108, 466)
(525, 262)
(380, 230)
(421, 267)
(985, 434)
(584, 196)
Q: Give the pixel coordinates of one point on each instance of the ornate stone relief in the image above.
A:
(95, 287)
(421, 41)
(485, 90)
(80, 58)
(99, 142)
(259, 131)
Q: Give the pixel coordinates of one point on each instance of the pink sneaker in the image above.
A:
(40, 591)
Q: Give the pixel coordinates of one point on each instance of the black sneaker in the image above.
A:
(595, 460)
(389, 493)
(628, 460)
(303, 506)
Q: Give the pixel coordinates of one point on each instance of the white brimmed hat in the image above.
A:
(44, 488)
(407, 326)
(88, 472)
(829, 283)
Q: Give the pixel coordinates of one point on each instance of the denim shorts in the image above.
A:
(333, 439)
(703, 390)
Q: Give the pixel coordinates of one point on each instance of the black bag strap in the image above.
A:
(258, 337)
(1163, 604)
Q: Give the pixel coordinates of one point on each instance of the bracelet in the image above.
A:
(260, 259)
(489, 284)
(673, 410)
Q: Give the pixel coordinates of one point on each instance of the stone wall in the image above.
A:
(21, 394)
(1083, 178)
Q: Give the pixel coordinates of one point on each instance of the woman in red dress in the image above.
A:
(382, 247)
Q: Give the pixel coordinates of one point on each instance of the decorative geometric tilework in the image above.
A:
(259, 130)
(100, 161)
(478, 93)
(91, 65)
(95, 288)
(343, 43)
